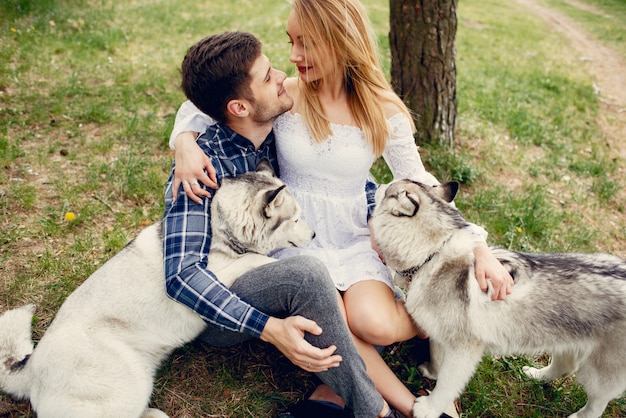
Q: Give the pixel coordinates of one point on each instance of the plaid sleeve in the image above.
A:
(186, 241)
(370, 192)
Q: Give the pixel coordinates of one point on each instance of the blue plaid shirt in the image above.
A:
(187, 235)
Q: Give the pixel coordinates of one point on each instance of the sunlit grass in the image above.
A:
(88, 94)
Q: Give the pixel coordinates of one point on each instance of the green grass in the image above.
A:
(88, 95)
(603, 19)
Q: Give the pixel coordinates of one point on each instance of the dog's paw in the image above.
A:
(533, 373)
(154, 413)
(427, 370)
(422, 409)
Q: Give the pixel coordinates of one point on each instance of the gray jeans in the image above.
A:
(302, 286)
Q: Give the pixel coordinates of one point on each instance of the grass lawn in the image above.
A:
(88, 94)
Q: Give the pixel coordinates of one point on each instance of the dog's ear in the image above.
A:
(264, 166)
(273, 200)
(447, 191)
(407, 204)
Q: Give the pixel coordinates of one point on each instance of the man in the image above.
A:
(291, 303)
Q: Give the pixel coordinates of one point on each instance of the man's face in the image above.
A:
(270, 97)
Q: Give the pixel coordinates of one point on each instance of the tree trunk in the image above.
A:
(423, 69)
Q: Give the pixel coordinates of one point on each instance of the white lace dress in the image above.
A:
(328, 180)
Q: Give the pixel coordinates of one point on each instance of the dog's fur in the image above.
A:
(570, 305)
(99, 356)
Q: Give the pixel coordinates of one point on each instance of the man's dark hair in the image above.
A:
(216, 70)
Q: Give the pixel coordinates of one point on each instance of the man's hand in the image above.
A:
(488, 268)
(191, 163)
(287, 335)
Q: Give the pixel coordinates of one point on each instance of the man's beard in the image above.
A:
(264, 113)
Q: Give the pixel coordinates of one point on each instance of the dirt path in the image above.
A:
(607, 69)
(606, 66)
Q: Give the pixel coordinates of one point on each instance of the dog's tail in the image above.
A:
(16, 346)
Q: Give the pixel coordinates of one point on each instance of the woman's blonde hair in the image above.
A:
(344, 28)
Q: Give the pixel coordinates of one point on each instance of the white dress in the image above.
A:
(328, 180)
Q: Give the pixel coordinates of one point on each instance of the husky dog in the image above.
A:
(99, 356)
(570, 305)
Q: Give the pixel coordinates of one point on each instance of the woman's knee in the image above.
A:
(373, 327)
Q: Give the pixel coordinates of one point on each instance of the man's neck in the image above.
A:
(255, 133)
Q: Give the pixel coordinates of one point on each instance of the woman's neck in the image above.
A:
(333, 97)
(333, 89)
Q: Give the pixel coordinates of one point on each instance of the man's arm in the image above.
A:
(370, 193)
(187, 238)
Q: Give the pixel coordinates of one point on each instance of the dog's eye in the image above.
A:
(395, 197)
(392, 196)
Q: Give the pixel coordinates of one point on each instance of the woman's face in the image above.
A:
(312, 63)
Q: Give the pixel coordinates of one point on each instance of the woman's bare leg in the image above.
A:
(375, 316)
(387, 383)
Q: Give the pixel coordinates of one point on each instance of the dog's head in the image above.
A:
(412, 219)
(256, 211)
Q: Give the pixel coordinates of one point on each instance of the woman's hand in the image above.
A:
(192, 168)
(488, 268)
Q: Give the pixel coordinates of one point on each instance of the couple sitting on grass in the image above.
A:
(327, 306)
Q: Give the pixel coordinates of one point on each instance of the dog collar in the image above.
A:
(235, 245)
(408, 273)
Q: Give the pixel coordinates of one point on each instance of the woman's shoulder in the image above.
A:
(392, 109)
(398, 120)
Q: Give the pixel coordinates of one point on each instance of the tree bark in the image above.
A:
(423, 69)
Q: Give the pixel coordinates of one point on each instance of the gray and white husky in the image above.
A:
(99, 356)
(570, 305)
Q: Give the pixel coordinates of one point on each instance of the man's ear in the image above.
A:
(238, 108)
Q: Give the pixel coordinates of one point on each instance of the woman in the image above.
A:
(345, 115)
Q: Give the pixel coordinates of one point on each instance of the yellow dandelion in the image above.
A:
(13, 30)
(518, 229)
(70, 216)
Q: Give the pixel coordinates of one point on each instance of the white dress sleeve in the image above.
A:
(402, 155)
(403, 158)
(189, 118)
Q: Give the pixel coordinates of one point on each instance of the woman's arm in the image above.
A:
(402, 157)
(192, 165)
(189, 118)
